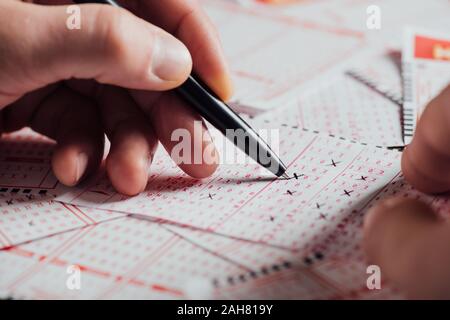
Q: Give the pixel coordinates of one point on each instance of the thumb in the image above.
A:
(111, 45)
(411, 245)
(426, 161)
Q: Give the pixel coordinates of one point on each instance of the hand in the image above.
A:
(68, 84)
(409, 242)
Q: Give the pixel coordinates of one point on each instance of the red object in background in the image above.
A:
(429, 48)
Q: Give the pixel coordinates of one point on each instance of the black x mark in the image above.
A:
(295, 176)
(323, 216)
(347, 193)
(333, 163)
(210, 196)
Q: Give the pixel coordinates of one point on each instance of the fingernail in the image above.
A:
(171, 59)
(82, 162)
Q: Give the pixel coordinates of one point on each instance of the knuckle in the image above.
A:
(111, 35)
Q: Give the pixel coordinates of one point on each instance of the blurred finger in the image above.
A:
(426, 161)
(411, 245)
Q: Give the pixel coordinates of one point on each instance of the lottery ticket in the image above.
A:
(426, 71)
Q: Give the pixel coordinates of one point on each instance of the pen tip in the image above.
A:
(285, 176)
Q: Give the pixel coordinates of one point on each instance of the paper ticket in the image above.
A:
(426, 71)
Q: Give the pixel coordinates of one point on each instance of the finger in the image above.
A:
(19, 114)
(426, 161)
(189, 23)
(112, 46)
(74, 122)
(184, 135)
(410, 244)
(133, 142)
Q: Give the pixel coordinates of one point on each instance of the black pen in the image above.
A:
(222, 117)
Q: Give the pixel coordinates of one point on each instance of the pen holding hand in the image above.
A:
(67, 84)
(221, 116)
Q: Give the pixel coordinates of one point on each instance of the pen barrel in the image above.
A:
(110, 2)
(230, 124)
